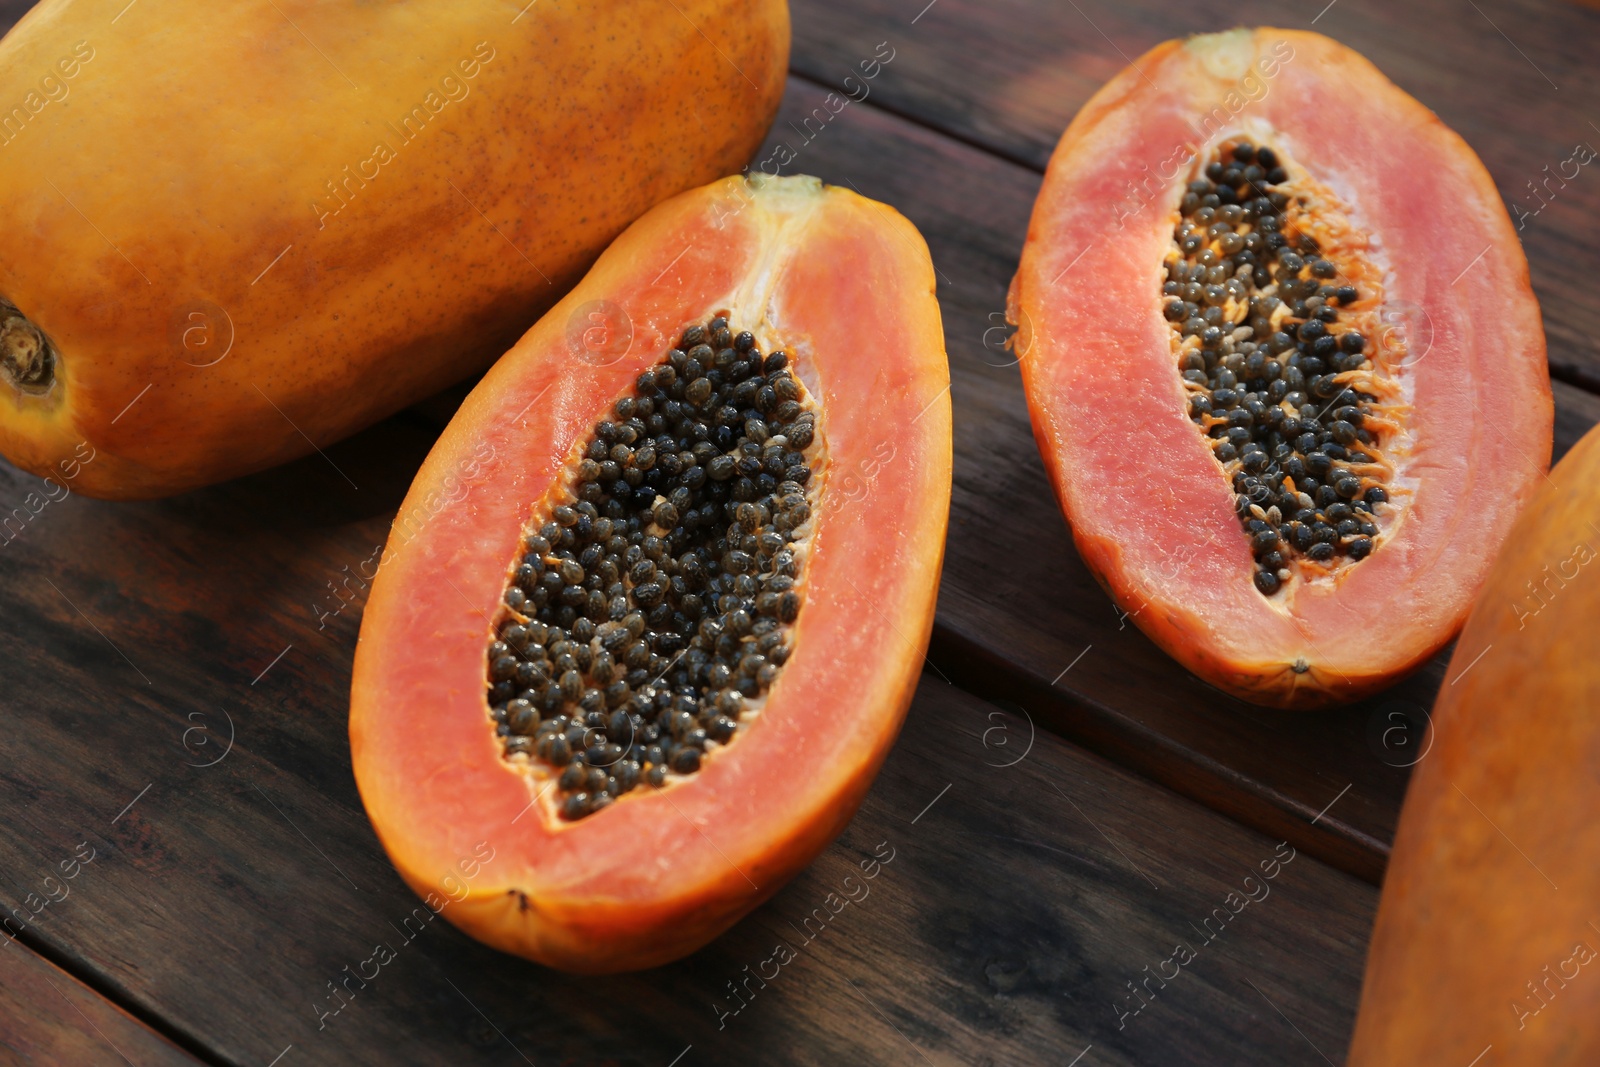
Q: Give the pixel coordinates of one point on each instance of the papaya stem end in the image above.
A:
(27, 358)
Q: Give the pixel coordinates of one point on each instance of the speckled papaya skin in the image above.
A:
(249, 228)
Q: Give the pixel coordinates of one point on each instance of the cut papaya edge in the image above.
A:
(1406, 244)
(845, 286)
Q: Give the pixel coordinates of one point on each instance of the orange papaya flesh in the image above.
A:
(1488, 933)
(339, 224)
(1280, 569)
(662, 870)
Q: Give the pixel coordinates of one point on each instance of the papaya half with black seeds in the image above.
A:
(309, 214)
(652, 613)
(1283, 360)
(1488, 935)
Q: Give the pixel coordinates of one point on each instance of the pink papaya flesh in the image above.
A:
(1283, 360)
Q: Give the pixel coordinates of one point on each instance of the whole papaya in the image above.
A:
(238, 232)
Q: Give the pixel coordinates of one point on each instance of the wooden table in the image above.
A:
(1064, 806)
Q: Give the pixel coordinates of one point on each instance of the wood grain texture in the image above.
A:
(1513, 77)
(1019, 902)
(195, 653)
(177, 677)
(50, 1019)
(1020, 617)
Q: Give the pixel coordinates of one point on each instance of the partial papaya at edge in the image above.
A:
(1488, 931)
(215, 262)
(548, 660)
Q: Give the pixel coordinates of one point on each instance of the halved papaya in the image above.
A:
(651, 615)
(308, 215)
(1488, 932)
(1283, 362)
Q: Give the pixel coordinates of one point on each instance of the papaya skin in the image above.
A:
(1495, 874)
(226, 295)
(1109, 410)
(661, 872)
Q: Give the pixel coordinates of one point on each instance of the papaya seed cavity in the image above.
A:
(1271, 297)
(655, 598)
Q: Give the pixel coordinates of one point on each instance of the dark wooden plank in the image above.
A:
(49, 1018)
(1126, 699)
(144, 642)
(1010, 74)
(1017, 607)
(1020, 618)
(182, 667)
(1019, 902)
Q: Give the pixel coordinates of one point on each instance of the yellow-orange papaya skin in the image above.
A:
(846, 287)
(247, 229)
(1488, 931)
